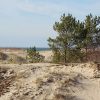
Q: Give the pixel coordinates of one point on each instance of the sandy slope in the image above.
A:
(47, 54)
(22, 53)
(91, 90)
(45, 81)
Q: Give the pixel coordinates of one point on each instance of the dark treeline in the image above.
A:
(74, 37)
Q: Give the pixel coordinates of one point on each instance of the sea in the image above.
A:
(18, 48)
(43, 49)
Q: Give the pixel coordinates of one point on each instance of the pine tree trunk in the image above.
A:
(86, 53)
(65, 60)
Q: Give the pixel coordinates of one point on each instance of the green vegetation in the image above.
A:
(74, 36)
(33, 56)
(3, 56)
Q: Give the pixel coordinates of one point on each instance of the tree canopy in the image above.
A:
(72, 36)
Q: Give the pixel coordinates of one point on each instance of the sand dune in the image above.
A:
(45, 81)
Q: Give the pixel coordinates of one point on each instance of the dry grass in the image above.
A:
(5, 81)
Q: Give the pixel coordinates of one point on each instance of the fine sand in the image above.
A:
(47, 54)
(46, 81)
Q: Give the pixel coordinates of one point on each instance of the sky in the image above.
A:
(25, 23)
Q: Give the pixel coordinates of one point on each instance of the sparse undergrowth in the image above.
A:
(16, 59)
(3, 56)
(5, 81)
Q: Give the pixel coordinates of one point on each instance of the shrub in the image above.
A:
(3, 56)
(33, 56)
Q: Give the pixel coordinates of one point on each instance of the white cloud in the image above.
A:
(40, 8)
(46, 7)
(52, 9)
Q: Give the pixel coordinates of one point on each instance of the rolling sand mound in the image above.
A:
(45, 81)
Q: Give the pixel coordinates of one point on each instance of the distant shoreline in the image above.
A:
(24, 48)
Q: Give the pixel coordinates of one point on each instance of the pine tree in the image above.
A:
(73, 36)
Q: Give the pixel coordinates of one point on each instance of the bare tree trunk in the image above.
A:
(65, 53)
(86, 53)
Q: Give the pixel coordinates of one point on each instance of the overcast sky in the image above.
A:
(25, 23)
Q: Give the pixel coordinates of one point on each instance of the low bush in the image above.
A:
(33, 56)
(3, 56)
